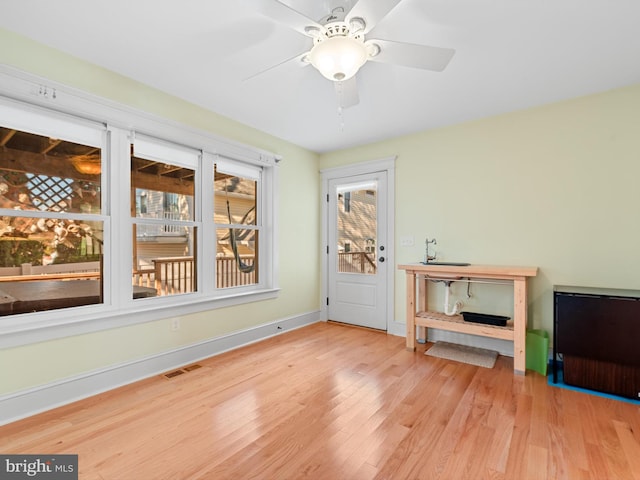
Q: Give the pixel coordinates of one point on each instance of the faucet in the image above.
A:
(427, 257)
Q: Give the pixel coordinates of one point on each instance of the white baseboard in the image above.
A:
(22, 404)
(398, 329)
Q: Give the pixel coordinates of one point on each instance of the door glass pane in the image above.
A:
(357, 227)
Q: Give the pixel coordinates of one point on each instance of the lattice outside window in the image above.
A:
(50, 193)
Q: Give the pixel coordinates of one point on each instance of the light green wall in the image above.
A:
(299, 233)
(554, 187)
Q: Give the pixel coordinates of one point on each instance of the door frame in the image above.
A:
(335, 173)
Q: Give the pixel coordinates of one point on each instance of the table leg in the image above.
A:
(422, 306)
(519, 325)
(411, 311)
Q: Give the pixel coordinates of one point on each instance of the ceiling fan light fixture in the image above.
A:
(87, 164)
(338, 58)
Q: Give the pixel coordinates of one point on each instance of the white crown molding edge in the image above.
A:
(43, 92)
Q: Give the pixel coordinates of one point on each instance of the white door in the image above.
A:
(357, 253)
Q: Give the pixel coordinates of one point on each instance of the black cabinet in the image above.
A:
(597, 334)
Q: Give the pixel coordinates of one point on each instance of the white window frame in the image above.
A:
(48, 98)
(256, 173)
(159, 150)
(37, 121)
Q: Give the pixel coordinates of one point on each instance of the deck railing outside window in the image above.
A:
(356, 262)
(175, 275)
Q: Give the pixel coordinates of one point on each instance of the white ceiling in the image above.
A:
(510, 54)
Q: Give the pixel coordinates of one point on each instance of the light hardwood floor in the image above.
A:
(335, 402)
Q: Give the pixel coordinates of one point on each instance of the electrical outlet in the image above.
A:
(175, 324)
(406, 241)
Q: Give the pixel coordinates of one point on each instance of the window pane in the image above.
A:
(163, 205)
(48, 174)
(161, 190)
(235, 203)
(356, 229)
(164, 252)
(237, 257)
(234, 199)
(58, 264)
(164, 264)
(49, 263)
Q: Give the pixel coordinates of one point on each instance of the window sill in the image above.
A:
(39, 327)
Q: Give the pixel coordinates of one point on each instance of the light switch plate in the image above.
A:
(406, 241)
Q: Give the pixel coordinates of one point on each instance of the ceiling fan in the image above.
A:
(340, 46)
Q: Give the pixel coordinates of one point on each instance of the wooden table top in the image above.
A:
(484, 271)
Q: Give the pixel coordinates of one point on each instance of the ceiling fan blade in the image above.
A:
(372, 11)
(347, 93)
(412, 55)
(297, 60)
(286, 15)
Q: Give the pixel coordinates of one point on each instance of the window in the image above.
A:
(357, 228)
(164, 251)
(347, 202)
(123, 217)
(51, 213)
(238, 223)
(370, 245)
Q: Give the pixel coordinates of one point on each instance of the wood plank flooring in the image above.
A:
(335, 402)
